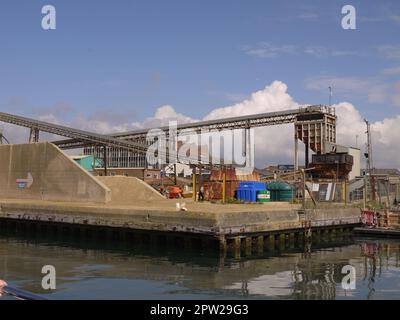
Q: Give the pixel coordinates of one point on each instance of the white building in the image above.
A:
(356, 170)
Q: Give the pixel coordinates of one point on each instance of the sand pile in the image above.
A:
(130, 190)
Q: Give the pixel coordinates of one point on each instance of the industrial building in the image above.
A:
(125, 153)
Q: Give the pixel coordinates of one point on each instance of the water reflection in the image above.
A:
(379, 259)
(106, 270)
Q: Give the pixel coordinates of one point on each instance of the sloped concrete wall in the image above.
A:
(130, 190)
(55, 176)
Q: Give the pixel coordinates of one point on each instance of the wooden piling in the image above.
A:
(260, 245)
(237, 247)
(291, 240)
(271, 242)
(282, 241)
(248, 245)
(222, 244)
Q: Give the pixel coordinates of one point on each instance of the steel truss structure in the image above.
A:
(243, 122)
(128, 149)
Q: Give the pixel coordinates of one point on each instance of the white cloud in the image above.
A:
(386, 137)
(272, 98)
(382, 18)
(321, 52)
(309, 16)
(167, 113)
(391, 51)
(395, 18)
(385, 93)
(393, 71)
(14, 134)
(378, 93)
(344, 85)
(273, 144)
(396, 96)
(376, 89)
(268, 50)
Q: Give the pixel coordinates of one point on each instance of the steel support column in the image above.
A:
(34, 135)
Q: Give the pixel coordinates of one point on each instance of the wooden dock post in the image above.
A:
(291, 240)
(222, 244)
(317, 236)
(326, 234)
(260, 245)
(271, 242)
(300, 238)
(237, 246)
(282, 240)
(248, 244)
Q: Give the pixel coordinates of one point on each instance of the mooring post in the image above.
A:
(300, 237)
(271, 242)
(291, 240)
(237, 247)
(248, 244)
(317, 235)
(222, 244)
(260, 244)
(282, 239)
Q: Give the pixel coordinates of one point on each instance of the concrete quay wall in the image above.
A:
(211, 223)
(41, 171)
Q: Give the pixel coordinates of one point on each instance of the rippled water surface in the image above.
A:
(92, 270)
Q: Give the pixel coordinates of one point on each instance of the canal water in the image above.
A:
(93, 270)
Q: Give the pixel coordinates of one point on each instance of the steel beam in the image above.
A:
(242, 122)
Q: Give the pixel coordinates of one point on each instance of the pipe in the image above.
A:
(17, 293)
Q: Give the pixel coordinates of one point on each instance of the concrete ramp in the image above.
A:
(41, 171)
(130, 190)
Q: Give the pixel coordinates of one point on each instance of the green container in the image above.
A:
(281, 191)
(263, 196)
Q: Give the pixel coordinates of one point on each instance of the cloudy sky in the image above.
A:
(118, 65)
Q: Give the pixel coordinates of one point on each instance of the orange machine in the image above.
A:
(174, 192)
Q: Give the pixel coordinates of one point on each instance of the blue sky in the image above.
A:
(130, 57)
(114, 65)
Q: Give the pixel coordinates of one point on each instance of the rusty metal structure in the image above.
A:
(315, 130)
(335, 166)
